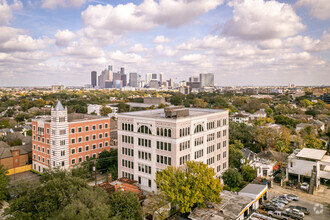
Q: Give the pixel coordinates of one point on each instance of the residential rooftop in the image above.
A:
(254, 189)
(161, 113)
(73, 117)
(310, 153)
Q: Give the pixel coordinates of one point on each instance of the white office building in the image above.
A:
(149, 141)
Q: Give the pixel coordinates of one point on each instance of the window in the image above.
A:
(63, 163)
(106, 143)
(164, 160)
(106, 125)
(73, 130)
(34, 137)
(38, 148)
(80, 159)
(149, 183)
(185, 158)
(218, 146)
(43, 150)
(80, 129)
(63, 153)
(87, 157)
(139, 178)
(199, 154)
(100, 145)
(79, 149)
(73, 151)
(43, 160)
(87, 148)
(34, 127)
(47, 151)
(144, 142)
(34, 146)
(198, 128)
(100, 126)
(291, 164)
(94, 146)
(94, 127)
(86, 128)
(106, 134)
(73, 161)
(100, 135)
(224, 154)
(39, 158)
(73, 140)
(87, 138)
(184, 145)
(144, 129)
(38, 138)
(94, 155)
(94, 136)
(164, 146)
(62, 132)
(34, 156)
(79, 139)
(47, 140)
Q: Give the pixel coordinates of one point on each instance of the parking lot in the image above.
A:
(317, 205)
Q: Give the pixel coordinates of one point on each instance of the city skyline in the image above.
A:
(252, 42)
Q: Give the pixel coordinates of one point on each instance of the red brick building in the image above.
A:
(63, 140)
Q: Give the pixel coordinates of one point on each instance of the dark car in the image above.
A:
(269, 207)
(300, 208)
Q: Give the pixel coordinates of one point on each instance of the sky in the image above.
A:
(243, 42)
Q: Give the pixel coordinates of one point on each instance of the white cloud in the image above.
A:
(137, 48)
(64, 37)
(6, 10)
(165, 51)
(318, 8)
(260, 20)
(121, 19)
(118, 55)
(52, 4)
(324, 43)
(161, 39)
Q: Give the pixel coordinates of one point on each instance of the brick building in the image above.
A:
(13, 157)
(63, 140)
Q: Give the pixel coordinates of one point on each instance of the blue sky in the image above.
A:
(243, 42)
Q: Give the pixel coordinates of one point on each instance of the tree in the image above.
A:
(21, 117)
(199, 103)
(312, 142)
(104, 111)
(4, 181)
(235, 154)
(87, 204)
(16, 142)
(126, 205)
(269, 112)
(156, 205)
(232, 178)
(4, 123)
(122, 107)
(248, 173)
(29, 132)
(190, 185)
(161, 105)
(39, 103)
(176, 100)
(48, 199)
(24, 105)
(284, 120)
(107, 160)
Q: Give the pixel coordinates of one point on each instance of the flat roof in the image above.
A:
(310, 153)
(255, 189)
(160, 114)
(231, 207)
(326, 158)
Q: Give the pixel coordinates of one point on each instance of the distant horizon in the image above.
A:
(243, 42)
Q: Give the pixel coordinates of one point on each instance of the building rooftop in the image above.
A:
(254, 189)
(160, 114)
(73, 117)
(310, 153)
(230, 207)
(59, 106)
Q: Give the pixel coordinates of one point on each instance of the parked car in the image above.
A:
(279, 205)
(292, 197)
(277, 215)
(301, 208)
(304, 186)
(294, 213)
(269, 207)
(283, 200)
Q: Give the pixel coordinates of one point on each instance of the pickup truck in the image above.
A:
(294, 214)
(277, 215)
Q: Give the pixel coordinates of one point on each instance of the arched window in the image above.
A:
(161, 132)
(165, 132)
(198, 128)
(144, 129)
(157, 131)
(169, 133)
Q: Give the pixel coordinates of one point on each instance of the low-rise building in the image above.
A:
(302, 162)
(240, 118)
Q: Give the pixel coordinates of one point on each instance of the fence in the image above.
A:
(19, 169)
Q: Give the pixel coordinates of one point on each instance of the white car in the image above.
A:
(304, 186)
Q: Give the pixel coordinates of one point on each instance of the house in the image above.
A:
(6, 131)
(319, 124)
(240, 118)
(248, 154)
(122, 184)
(261, 114)
(302, 162)
(265, 162)
(14, 157)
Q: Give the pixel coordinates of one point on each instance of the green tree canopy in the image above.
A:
(235, 154)
(190, 185)
(232, 178)
(126, 205)
(104, 111)
(4, 123)
(249, 173)
(4, 181)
